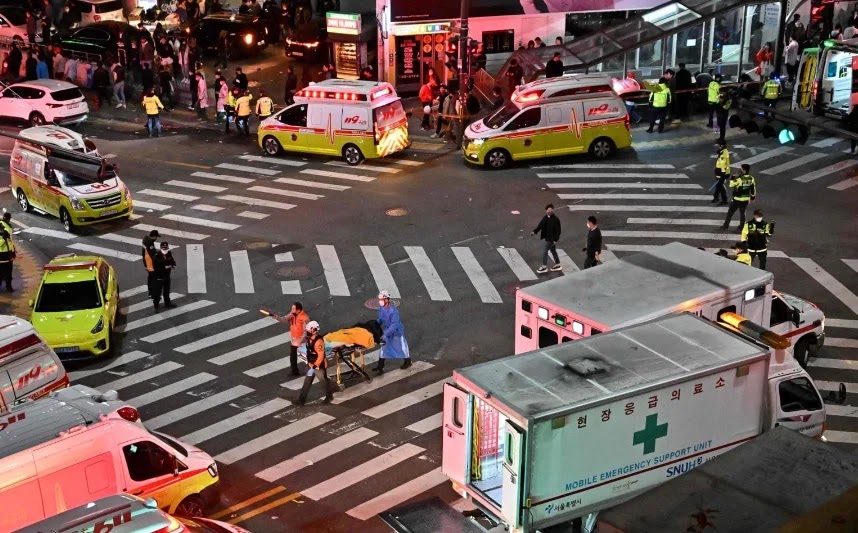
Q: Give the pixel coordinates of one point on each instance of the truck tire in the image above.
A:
(801, 352)
(23, 201)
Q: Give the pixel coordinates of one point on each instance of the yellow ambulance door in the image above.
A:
(565, 129)
(292, 135)
(526, 134)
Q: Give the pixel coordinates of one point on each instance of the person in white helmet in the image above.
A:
(393, 336)
(317, 362)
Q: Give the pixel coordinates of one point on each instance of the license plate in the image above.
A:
(73, 106)
(299, 54)
(69, 349)
(109, 212)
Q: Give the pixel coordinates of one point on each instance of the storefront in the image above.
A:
(416, 49)
(353, 40)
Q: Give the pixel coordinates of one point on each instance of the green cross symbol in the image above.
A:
(650, 433)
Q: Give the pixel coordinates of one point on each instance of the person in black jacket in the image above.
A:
(549, 231)
(594, 243)
(554, 67)
(163, 264)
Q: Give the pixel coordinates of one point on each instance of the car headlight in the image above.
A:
(248, 39)
(478, 142)
(77, 205)
(98, 327)
(127, 194)
(212, 470)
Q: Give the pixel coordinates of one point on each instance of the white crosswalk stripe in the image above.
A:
(49, 233)
(241, 272)
(106, 252)
(200, 406)
(669, 197)
(196, 268)
(398, 495)
(612, 175)
(380, 271)
(252, 349)
(646, 208)
(251, 214)
(770, 154)
(319, 453)
(141, 376)
(224, 336)
(163, 315)
(222, 177)
(273, 160)
(196, 186)
(171, 390)
(338, 175)
(795, 163)
(151, 205)
(192, 325)
(364, 167)
(123, 359)
(236, 421)
(207, 208)
(676, 221)
(145, 304)
(171, 232)
(333, 270)
(845, 184)
(168, 194)
(517, 264)
(273, 438)
(428, 274)
(831, 169)
(255, 202)
(479, 279)
(251, 170)
(597, 166)
(314, 184)
(284, 192)
(200, 222)
(552, 185)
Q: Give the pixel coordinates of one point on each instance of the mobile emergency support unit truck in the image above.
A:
(671, 279)
(541, 438)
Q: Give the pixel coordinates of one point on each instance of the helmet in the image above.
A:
(383, 294)
(311, 326)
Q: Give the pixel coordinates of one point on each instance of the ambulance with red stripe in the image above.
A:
(355, 120)
(551, 117)
(29, 369)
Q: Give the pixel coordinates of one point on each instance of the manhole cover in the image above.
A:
(372, 303)
(396, 212)
(292, 272)
(257, 245)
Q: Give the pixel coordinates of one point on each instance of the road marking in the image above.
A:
(273, 438)
(407, 162)
(851, 263)
(361, 472)
(171, 389)
(841, 323)
(283, 257)
(389, 377)
(251, 214)
(829, 282)
(668, 235)
(246, 351)
(340, 175)
(379, 270)
(780, 150)
(845, 184)
(317, 454)
(163, 315)
(189, 165)
(406, 400)
(837, 342)
(201, 222)
(171, 232)
(851, 388)
(128, 293)
(273, 160)
(246, 503)
(197, 186)
(108, 252)
(284, 192)
(169, 333)
(828, 362)
(428, 275)
(479, 279)
(49, 233)
(290, 287)
(167, 194)
(222, 177)
(648, 208)
(850, 411)
(654, 166)
(198, 407)
(846, 437)
(245, 168)
(566, 262)
(374, 168)
(831, 169)
(123, 359)
(316, 184)
(607, 255)
(296, 384)
(236, 421)
(612, 175)
(196, 268)
(264, 508)
(207, 208)
(128, 240)
(517, 264)
(333, 270)
(242, 275)
(223, 336)
(824, 143)
(624, 186)
(141, 376)
(145, 304)
(676, 221)
(609, 196)
(398, 495)
(795, 163)
(253, 202)
(151, 205)
(424, 426)
(654, 248)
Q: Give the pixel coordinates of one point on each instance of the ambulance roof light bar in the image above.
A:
(755, 331)
(331, 95)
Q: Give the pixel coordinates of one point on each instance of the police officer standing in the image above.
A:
(713, 96)
(163, 265)
(756, 233)
(722, 110)
(264, 106)
(7, 255)
(318, 363)
(149, 252)
(722, 172)
(660, 98)
(744, 191)
(242, 113)
(771, 90)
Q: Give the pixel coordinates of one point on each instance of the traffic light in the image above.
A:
(750, 122)
(452, 53)
(794, 133)
(770, 128)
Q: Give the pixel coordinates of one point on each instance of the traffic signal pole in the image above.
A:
(463, 65)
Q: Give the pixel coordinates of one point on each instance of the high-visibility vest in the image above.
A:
(152, 104)
(661, 97)
(264, 106)
(771, 90)
(744, 187)
(242, 106)
(714, 91)
(7, 248)
(744, 257)
(723, 162)
(756, 234)
(8, 227)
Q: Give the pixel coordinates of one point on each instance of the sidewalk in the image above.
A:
(26, 277)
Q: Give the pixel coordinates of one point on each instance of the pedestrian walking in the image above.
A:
(744, 191)
(222, 92)
(394, 345)
(148, 253)
(713, 95)
(291, 86)
(660, 98)
(722, 172)
(240, 80)
(791, 57)
(593, 249)
(7, 256)
(722, 111)
(549, 232)
(297, 320)
(242, 113)
(152, 104)
(742, 255)
(317, 360)
(202, 97)
(101, 84)
(264, 106)
(756, 234)
(163, 265)
(119, 85)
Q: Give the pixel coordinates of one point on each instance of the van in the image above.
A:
(78, 445)
(356, 120)
(56, 171)
(29, 369)
(99, 10)
(551, 117)
(125, 513)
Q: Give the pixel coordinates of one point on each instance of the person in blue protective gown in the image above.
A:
(393, 337)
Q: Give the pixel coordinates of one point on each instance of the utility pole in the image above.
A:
(463, 64)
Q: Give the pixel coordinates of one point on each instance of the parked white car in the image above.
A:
(13, 24)
(43, 102)
(99, 10)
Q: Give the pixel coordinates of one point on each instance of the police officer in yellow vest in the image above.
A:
(722, 172)
(756, 234)
(7, 255)
(722, 111)
(713, 95)
(744, 190)
(264, 106)
(229, 107)
(771, 90)
(742, 255)
(242, 113)
(6, 222)
(660, 98)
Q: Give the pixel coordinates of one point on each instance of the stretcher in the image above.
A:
(352, 355)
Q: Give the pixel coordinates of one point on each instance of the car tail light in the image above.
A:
(54, 106)
(129, 413)
(628, 123)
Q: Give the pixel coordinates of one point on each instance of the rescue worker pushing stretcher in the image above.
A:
(317, 363)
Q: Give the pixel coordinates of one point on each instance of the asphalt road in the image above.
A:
(450, 241)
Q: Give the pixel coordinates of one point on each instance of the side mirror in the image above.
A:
(838, 397)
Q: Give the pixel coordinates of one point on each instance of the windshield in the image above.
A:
(798, 303)
(64, 95)
(70, 180)
(58, 297)
(172, 442)
(502, 115)
(388, 114)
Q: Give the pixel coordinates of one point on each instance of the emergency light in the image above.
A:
(560, 320)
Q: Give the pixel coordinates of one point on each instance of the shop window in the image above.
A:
(547, 337)
(496, 42)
